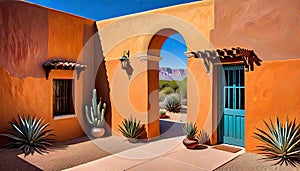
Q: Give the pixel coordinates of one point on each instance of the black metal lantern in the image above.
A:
(125, 59)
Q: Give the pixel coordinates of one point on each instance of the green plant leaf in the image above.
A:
(281, 143)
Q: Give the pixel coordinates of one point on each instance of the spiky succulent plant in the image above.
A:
(190, 130)
(281, 143)
(131, 129)
(172, 103)
(29, 135)
(203, 137)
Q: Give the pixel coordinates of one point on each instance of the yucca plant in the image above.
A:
(172, 103)
(190, 130)
(29, 135)
(131, 129)
(281, 143)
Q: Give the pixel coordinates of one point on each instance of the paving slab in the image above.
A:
(156, 148)
(206, 159)
(164, 164)
(163, 155)
(110, 163)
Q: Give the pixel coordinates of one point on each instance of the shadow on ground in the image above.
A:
(78, 151)
(9, 160)
(170, 129)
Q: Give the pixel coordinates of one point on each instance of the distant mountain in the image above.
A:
(171, 74)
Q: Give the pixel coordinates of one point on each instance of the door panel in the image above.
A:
(233, 91)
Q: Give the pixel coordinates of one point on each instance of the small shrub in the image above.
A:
(167, 91)
(162, 112)
(190, 130)
(161, 96)
(163, 84)
(281, 142)
(173, 84)
(131, 129)
(182, 92)
(172, 103)
(29, 135)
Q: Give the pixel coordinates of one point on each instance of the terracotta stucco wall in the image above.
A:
(271, 29)
(26, 43)
(271, 91)
(134, 32)
(265, 26)
(199, 93)
(24, 39)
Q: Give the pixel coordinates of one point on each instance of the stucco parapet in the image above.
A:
(150, 58)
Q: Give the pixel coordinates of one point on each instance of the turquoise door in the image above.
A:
(233, 112)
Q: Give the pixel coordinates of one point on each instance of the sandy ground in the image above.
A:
(177, 117)
(82, 150)
(253, 162)
(65, 154)
(78, 151)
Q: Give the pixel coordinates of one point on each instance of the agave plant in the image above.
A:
(203, 137)
(131, 129)
(281, 143)
(190, 130)
(172, 103)
(29, 135)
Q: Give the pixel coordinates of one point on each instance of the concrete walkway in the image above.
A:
(161, 155)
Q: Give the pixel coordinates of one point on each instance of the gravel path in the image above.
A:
(253, 162)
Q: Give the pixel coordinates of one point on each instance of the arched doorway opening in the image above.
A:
(172, 80)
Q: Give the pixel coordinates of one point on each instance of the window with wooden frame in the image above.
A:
(62, 97)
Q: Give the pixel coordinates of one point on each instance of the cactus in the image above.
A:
(95, 115)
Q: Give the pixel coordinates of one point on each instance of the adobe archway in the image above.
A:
(144, 35)
(153, 54)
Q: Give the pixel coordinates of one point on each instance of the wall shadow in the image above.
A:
(102, 84)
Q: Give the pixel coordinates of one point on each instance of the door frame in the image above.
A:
(220, 99)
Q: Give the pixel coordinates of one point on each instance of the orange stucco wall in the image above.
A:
(26, 43)
(139, 96)
(271, 91)
(271, 29)
(199, 95)
(126, 95)
(265, 26)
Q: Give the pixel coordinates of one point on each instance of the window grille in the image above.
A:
(62, 97)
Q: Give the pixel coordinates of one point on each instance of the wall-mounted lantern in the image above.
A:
(125, 59)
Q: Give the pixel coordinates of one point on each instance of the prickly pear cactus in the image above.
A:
(95, 115)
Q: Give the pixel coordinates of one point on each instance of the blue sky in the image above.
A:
(104, 9)
(172, 50)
